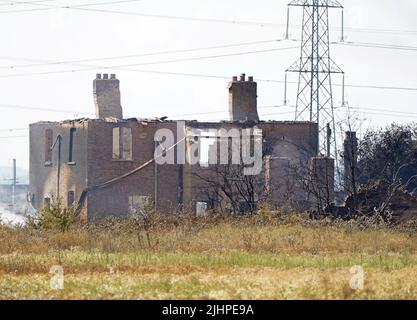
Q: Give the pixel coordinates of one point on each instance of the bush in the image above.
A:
(55, 217)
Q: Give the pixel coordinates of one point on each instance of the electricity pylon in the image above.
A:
(315, 68)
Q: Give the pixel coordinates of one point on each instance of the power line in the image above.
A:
(261, 24)
(219, 111)
(207, 76)
(72, 62)
(387, 111)
(380, 30)
(90, 68)
(100, 3)
(84, 113)
(9, 106)
(13, 3)
(364, 110)
(17, 129)
(376, 45)
(222, 111)
(380, 87)
(199, 75)
(292, 112)
(82, 7)
(207, 57)
(47, 7)
(389, 114)
(185, 18)
(123, 67)
(382, 112)
(361, 86)
(14, 137)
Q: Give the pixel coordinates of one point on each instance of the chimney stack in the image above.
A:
(350, 159)
(243, 99)
(107, 96)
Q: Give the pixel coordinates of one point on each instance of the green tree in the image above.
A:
(389, 154)
(55, 217)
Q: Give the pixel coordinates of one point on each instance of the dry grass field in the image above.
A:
(257, 257)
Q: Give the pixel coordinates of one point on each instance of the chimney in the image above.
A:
(107, 97)
(243, 99)
(350, 159)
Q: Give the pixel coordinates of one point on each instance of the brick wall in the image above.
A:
(113, 200)
(94, 164)
(43, 176)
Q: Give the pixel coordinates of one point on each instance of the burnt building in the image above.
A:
(108, 165)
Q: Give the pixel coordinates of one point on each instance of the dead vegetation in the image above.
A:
(267, 231)
(378, 203)
(268, 255)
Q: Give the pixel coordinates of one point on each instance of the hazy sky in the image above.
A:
(30, 41)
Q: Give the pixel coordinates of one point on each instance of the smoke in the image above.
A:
(11, 218)
(9, 214)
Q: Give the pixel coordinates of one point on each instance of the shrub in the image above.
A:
(55, 217)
